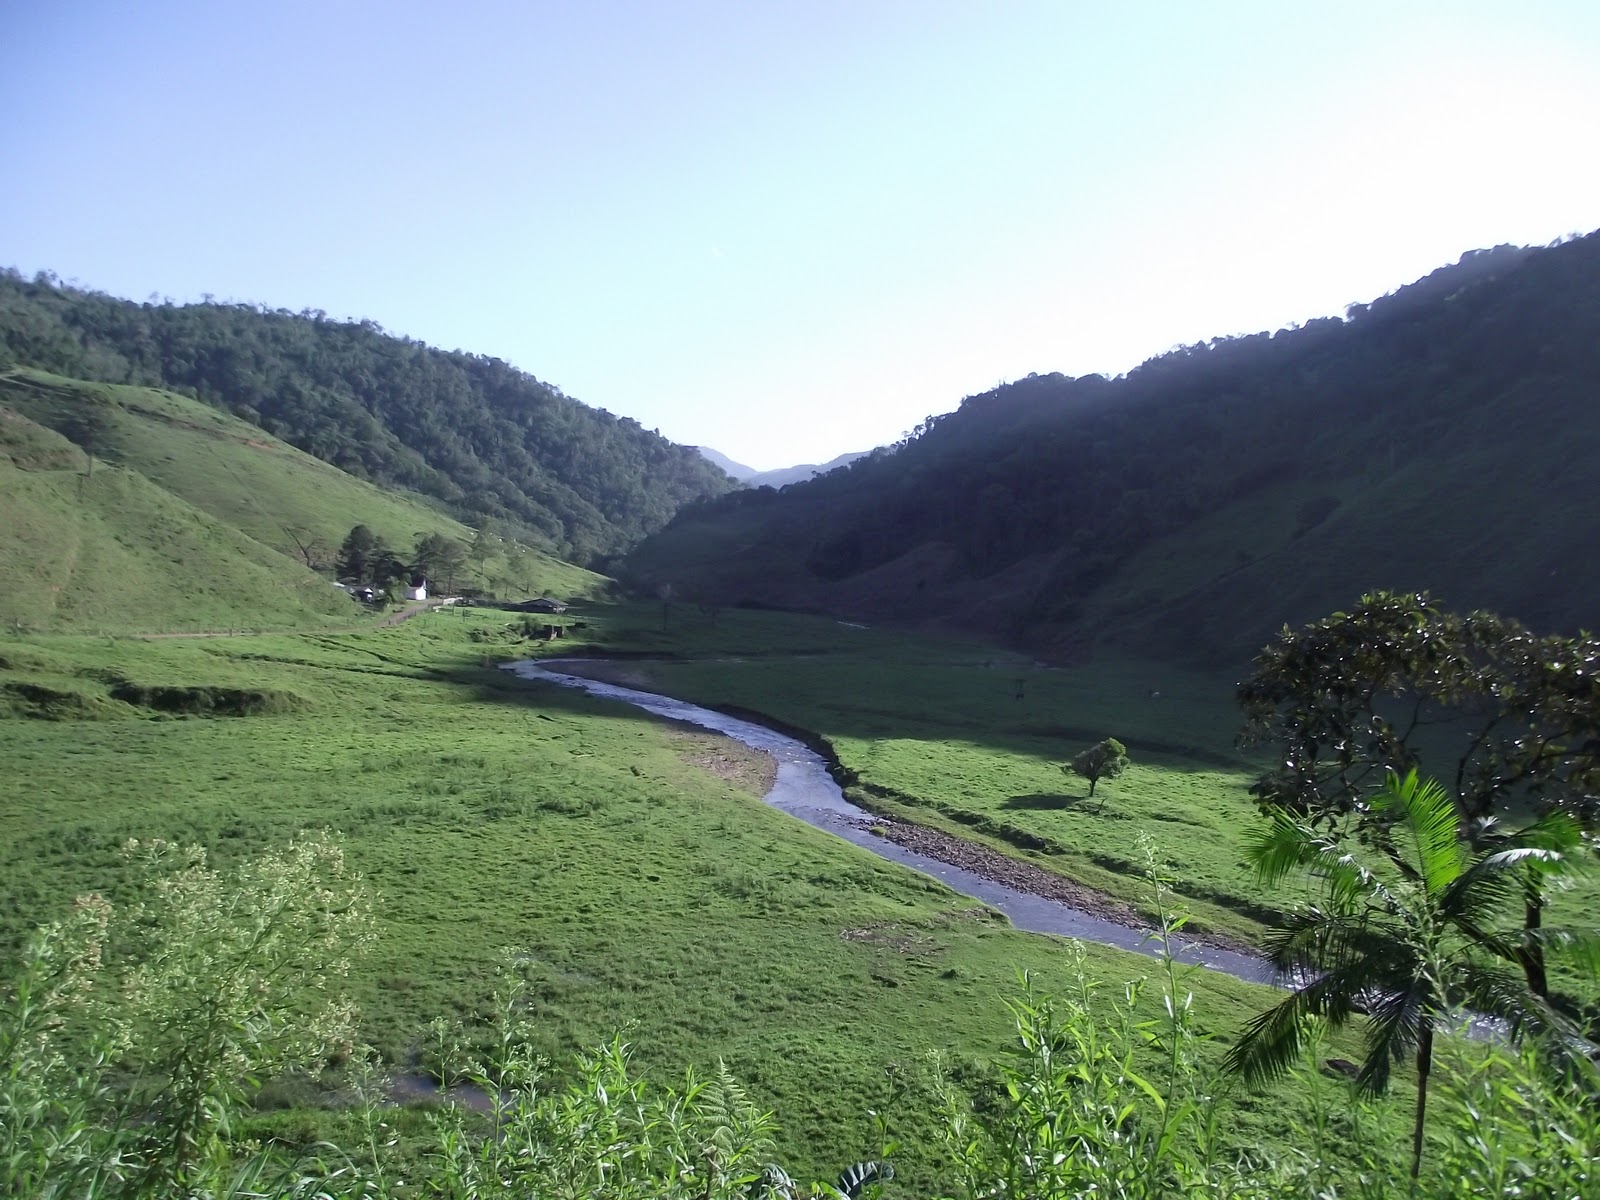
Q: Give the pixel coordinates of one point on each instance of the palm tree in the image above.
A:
(1407, 946)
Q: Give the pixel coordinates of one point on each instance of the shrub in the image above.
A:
(130, 1039)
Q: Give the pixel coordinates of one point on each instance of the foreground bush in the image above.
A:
(129, 1042)
(130, 1039)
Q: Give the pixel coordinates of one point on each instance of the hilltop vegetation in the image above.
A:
(480, 437)
(1441, 438)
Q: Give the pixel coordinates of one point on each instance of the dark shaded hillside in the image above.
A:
(1444, 437)
(473, 432)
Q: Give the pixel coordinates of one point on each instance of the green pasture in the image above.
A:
(971, 739)
(638, 891)
(111, 551)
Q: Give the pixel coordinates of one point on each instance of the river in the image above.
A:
(806, 791)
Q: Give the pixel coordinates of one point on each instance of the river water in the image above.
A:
(805, 790)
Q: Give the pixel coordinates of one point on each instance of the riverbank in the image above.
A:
(986, 862)
(807, 786)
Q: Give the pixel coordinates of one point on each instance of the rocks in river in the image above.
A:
(1003, 869)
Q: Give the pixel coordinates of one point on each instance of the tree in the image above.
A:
(1107, 760)
(309, 544)
(440, 558)
(1361, 694)
(1407, 941)
(356, 554)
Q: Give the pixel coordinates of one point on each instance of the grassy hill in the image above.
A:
(483, 439)
(1441, 438)
(112, 551)
(1495, 512)
(186, 518)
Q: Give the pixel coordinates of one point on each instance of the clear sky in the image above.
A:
(791, 229)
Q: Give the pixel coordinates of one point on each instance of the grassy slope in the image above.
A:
(487, 814)
(115, 552)
(246, 478)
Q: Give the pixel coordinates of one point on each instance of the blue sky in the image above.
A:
(789, 230)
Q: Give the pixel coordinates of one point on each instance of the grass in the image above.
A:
(971, 739)
(640, 890)
(114, 552)
(178, 492)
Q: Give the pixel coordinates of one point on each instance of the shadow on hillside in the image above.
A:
(1045, 801)
(494, 685)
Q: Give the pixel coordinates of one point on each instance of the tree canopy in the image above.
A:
(1509, 721)
(1104, 760)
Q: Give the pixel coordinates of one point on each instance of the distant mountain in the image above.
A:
(781, 476)
(477, 435)
(787, 475)
(734, 469)
(1442, 437)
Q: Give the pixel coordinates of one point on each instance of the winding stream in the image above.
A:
(805, 790)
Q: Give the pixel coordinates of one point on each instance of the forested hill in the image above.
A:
(1442, 437)
(477, 434)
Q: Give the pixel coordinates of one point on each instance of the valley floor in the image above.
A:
(630, 865)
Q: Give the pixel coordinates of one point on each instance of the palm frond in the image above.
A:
(1479, 895)
(1348, 883)
(1556, 831)
(1395, 1024)
(1314, 942)
(1310, 939)
(1580, 946)
(1429, 816)
(1274, 1040)
(1517, 856)
(1280, 844)
(1498, 991)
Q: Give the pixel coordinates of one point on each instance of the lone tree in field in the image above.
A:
(1104, 761)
